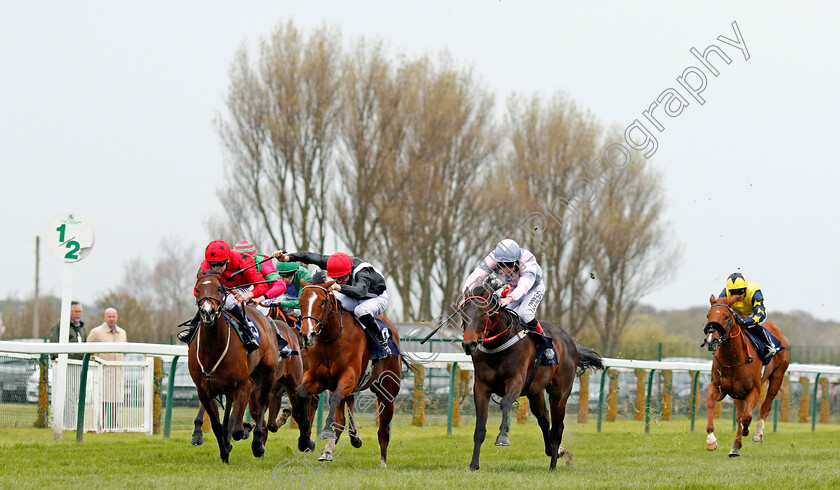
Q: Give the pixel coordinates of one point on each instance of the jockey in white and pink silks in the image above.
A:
(519, 269)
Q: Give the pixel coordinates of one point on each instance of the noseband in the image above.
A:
(330, 306)
(726, 333)
(488, 326)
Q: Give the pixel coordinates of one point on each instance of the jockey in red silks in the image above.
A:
(219, 257)
(265, 266)
(519, 269)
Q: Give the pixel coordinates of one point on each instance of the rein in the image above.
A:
(489, 327)
(219, 302)
(330, 310)
(731, 321)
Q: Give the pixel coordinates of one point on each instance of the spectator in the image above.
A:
(77, 328)
(113, 378)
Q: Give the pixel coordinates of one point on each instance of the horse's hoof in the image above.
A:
(502, 440)
(197, 440)
(305, 445)
(383, 465)
(712, 446)
(473, 468)
(734, 453)
(758, 438)
(271, 428)
(258, 450)
(325, 456)
(356, 442)
(238, 435)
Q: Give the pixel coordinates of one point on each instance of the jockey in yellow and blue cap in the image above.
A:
(749, 304)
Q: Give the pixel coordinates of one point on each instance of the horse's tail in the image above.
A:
(407, 362)
(588, 359)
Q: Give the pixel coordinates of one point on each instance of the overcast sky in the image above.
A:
(106, 110)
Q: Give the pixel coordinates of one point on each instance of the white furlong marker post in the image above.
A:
(69, 237)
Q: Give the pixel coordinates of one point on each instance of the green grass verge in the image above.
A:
(622, 456)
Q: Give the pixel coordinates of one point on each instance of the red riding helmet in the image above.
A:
(217, 251)
(339, 265)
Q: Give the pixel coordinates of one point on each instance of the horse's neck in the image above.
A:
(215, 335)
(735, 348)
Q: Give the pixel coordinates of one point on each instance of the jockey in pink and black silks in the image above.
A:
(265, 266)
(519, 269)
(749, 304)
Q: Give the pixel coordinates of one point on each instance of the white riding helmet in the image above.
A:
(507, 251)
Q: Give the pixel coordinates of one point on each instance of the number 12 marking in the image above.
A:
(71, 244)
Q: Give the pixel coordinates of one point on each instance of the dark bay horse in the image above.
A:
(219, 365)
(737, 372)
(506, 365)
(337, 357)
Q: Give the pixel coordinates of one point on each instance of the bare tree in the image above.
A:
(279, 136)
(635, 253)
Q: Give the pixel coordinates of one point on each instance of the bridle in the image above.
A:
(488, 325)
(330, 307)
(219, 302)
(731, 331)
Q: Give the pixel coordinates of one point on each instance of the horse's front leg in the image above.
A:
(219, 428)
(714, 396)
(337, 400)
(506, 404)
(739, 427)
(198, 436)
(482, 401)
(239, 400)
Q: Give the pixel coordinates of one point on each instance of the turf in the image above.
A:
(622, 456)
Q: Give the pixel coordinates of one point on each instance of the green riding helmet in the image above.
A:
(287, 268)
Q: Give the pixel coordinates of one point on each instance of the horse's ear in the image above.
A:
(327, 285)
(712, 299)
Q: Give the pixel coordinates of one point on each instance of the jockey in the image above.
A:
(519, 269)
(292, 274)
(265, 266)
(749, 304)
(219, 256)
(358, 286)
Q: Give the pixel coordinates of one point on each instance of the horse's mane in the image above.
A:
(320, 277)
(721, 301)
(212, 272)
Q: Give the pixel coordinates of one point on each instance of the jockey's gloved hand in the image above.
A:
(740, 320)
(280, 255)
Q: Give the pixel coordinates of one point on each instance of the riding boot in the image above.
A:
(248, 339)
(534, 326)
(186, 335)
(763, 334)
(548, 352)
(369, 323)
(285, 350)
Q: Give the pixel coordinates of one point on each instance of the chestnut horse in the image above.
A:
(506, 365)
(337, 355)
(221, 366)
(736, 371)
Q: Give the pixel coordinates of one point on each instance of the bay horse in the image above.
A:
(287, 383)
(506, 367)
(337, 357)
(221, 366)
(737, 372)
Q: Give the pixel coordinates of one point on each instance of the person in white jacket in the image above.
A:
(519, 269)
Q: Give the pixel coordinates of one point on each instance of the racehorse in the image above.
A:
(735, 372)
(506, 367)
(337, 358)
(220, 366)
(290, 379)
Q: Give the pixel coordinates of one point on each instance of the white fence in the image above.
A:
(133, 412)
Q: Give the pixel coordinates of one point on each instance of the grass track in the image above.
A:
(622, 456)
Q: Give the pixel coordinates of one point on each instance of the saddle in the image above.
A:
(376, 350)
(760, 348)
